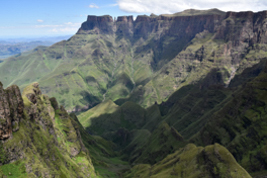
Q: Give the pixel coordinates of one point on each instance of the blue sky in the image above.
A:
(29, 18)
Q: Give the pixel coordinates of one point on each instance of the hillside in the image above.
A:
(38, 138)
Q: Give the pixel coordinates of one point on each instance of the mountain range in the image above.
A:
(16, 46)
(180, 95)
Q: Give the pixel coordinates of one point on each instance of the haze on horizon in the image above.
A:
(31, 18)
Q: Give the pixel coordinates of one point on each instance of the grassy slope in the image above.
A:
(106, 161)
(162, 141)
(241, 125)
(192, 161)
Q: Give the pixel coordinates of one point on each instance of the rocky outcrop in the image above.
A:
(102, 24)
(243, 27)
(11, 110)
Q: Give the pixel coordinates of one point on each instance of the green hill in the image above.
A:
(192, 161)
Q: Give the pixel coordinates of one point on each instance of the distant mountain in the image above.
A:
(14, 40)
(10, 47)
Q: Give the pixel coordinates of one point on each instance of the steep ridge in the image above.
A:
(143, 61)
(39, 138)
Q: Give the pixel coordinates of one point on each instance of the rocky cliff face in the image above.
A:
(178, 26)
(11, 111)
(102, 24)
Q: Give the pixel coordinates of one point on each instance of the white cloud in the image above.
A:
(92, 5)
(39, 20)
(172, 6)
(60, 28)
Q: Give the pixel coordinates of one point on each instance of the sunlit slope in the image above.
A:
(192, 161)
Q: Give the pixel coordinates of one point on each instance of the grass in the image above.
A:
(192, 161)
(16, 169)
(106, 107)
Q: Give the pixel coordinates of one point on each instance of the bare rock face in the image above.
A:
(11, 110)
(125, 19)
(101, 24)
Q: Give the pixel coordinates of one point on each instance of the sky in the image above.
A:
(40, 18)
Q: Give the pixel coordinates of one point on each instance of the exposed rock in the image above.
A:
(142, 18)
(11, 110)
(125, 19)
(54, 103)
(102, 24)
